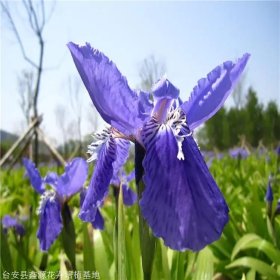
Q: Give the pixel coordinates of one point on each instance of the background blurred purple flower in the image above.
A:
(269, 192)
(12, 222)
(64, 186)
(239, 152)
(181, 201)
(120, 178)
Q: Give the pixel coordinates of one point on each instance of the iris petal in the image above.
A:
(181, 201)
(110, 93)
(34, 176)
(72, 180)
(129, 196)
(50, 224)
(98, 222)
(99, 184)
(164, 93)
(210, 94)
(51, 179)
(122, 152)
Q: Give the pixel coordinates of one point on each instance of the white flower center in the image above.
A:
(176, 119)
(99, 138)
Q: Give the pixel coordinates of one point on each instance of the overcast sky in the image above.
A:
(191, 38)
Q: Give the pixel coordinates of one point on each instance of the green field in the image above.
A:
(248, 249)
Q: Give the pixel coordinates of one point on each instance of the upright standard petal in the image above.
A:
(99, 184)
(181, 201)
(51, 179)
(210, 94)
(114, 100)
(164, 93)
(34, 176)
(50, 224)
(72, 180)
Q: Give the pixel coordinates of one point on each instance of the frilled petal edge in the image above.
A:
(181, 201)
(99, 184)
(209, 95)
(50, 224)
(110, 93)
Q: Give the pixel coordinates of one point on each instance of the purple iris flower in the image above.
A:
(181, 202)
(269, 192)
(11, 222)
(121, 179)
(239, 152)
(64, 186)
(98, 221)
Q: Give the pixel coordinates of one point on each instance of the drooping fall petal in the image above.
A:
(181, 201)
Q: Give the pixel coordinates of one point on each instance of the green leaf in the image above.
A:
(68, 235)
(255, 264)
(88, 248)
(121, 275)
(180, 265)
(205, 265)
(100, 256)
(242, 243)
(147, 240)
(253, 241)
(6, 259)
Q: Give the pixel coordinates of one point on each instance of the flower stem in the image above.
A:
(147, 240)
(68, 235)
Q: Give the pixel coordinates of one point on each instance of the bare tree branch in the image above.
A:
(14, 28)
(36, 21)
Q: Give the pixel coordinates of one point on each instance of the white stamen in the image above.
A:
(47, 195)
(177, 121)
(99, 139)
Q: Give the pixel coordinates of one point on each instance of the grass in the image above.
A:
(248, 248)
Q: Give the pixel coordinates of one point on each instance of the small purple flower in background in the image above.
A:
(64, 186)
(269, 192)
(239, 152)
(12, 222)
(277, 150)
(181, 201)
(277, 210)
(121, 179)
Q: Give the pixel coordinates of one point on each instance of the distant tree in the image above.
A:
(93, 117)
(25, 89)
(36, 20)
(238, 92)
(60, 114)
(218, 131)
(77, 107)
(150, 71)
(252, 121)
(271, 124)
(255, 125)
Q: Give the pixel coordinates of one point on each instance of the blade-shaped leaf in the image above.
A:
(253, 241)
(260, 266)
(205, 265)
